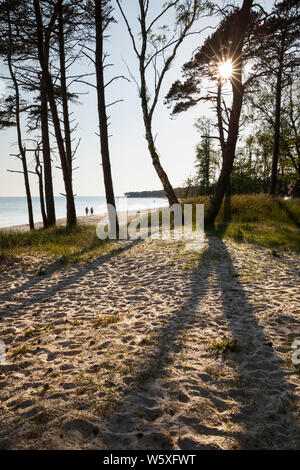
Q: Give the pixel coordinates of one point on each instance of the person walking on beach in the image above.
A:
(86, 211)
(92, 211)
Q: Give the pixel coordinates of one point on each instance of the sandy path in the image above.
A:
(150, 380)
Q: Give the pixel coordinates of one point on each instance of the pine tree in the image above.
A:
(50, 90)
(279, 35)
(228, 43)
(11, 13)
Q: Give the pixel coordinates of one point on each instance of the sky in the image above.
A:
(132, 169)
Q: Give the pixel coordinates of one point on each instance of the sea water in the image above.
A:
(13, 210)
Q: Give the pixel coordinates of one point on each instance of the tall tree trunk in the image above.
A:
(237, 100)
(71, 211)
(63, 86)
(276, 148)
(22, 149)
(170, 193)
(49, 194)
(227, 163)
(104, 141)
(27, 186)
(220, 118)
(227, 202)
(39, 172)
(168, 188)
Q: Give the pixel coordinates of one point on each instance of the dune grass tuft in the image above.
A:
(259, 219)
(224, 345)
(78, 244)
(105, 320)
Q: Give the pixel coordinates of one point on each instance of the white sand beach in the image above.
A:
(117, 353)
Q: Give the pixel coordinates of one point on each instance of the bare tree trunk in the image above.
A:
(227, 163)
(63, 86)
(27, 188)
(220, 118)
(276, 148)
(39, 172)
(227, 202)
(233, 129)
(99, 57)
(146, 33)
(170, 193)
(71, 211)
(22, 150)
(49, 194)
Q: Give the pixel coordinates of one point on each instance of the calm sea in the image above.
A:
(13, 210)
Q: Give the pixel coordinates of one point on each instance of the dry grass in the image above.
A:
(260, 219)
(79, 244)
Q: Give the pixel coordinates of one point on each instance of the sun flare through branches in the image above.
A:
(225, 69)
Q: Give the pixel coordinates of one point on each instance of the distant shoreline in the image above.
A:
(159, 194)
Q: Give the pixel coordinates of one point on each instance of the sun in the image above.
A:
(225, 69)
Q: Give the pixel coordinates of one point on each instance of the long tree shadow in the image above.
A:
(267, 401)
(50, 290)
(70, 259)
(265, 398)
(52, 268)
